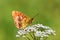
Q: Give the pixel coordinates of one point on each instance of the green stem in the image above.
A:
(31, 35)
(34, 36)
(38, 38)
(27, 38)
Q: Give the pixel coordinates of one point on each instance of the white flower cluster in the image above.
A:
(38, 29)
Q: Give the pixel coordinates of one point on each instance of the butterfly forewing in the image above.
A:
(20, 19)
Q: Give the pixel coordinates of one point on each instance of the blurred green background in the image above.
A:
(49, 14)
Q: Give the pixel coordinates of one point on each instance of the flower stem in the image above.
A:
(34, 36)
(27, 38)
(31, 35)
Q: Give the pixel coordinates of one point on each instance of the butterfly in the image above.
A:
(21, 20)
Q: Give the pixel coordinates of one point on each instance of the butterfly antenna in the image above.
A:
(35, 15)
(30, 21)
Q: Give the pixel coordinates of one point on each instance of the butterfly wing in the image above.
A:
(20, 19)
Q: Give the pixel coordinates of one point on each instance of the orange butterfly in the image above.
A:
(21, 20)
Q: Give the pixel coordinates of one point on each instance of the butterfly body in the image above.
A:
(21, 20)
